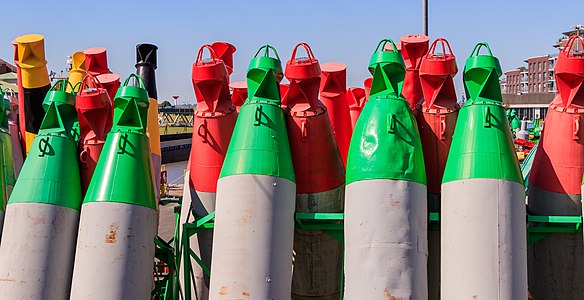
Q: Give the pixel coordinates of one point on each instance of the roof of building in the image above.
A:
(10, 66)
(529, 98)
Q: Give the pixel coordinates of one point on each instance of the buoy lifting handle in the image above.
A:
(381, 46)
(212, 54)
(309, 53)
(267, 51)
(444, 43)
(477, 49)
(568, 48)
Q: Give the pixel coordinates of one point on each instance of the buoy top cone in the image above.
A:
(265, 62)
(225, 52)
(211, 84)
(436, 73)
(110, 82)
(569, 73)
(146, 64)
(77, 71)
(260, 140)
(45, 178)
(482, 147)
(96, 61)
(386, 143)
(238, 92)
(334, 79)
(131, 105)
(78, 61)
(94, 103)
(304, 76)
(356, 98)
(481, 76)
(30, 57)
(390, 65)
(64, 102)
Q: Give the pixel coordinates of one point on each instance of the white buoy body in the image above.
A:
(484, 246)
(37, 251)
(386, 248)
(115, 251)
(253, 238)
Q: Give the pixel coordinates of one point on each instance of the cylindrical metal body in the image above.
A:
(115, 252)
(483, 230)
(146, 64)
(484, 253)
(254, 218)
(319, 182)
(213, 122)
(385, 231)
(556, 262)
(385, 205)
(119, 219)
(333, 93)
(40, 229)
(252, 249)
(48, 233)
(35, 84)
(94, 110)
(436, 122)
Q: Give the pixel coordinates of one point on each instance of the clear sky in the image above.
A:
(345, 31)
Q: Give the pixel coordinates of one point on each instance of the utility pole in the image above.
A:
(425, 17)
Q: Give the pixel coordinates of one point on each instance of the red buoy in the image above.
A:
(96, 61)
(320, 178)
(356, 99)
(238, 93)
(556, 262)
(94, 109)
(333, 93)
(413, 48)
(225, 52)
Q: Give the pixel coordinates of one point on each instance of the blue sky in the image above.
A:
(345, 31)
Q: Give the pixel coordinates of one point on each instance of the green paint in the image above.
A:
(50, 173)
(259, 144)
(482, 146)
(123, 173)
(386, 143)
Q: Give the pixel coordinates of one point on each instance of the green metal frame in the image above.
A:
(538, 227)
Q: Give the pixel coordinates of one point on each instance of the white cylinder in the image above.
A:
(386, 246)
(253, 238)
(115, 252)
(37, 251)
(484, 246)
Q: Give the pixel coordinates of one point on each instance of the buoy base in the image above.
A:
(254, 235)
(556, 262)
(386, 247)
(37, 252)
(484, 240)
(115, 252)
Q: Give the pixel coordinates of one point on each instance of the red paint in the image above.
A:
(558, 165)
(356, 99)
(238, 93)
(317, 162)
(110, 82)
(213, 122)
(225, 52)
(439, 110)
(96, 61)
(21, 115)
(94, 109)
(367, 85)
(333, 89)
(413, 48)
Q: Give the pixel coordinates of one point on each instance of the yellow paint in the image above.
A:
(31, 59)
(29, 139)
(152, 129)
(77, 71)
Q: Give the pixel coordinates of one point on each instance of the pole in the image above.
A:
(425, 17)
